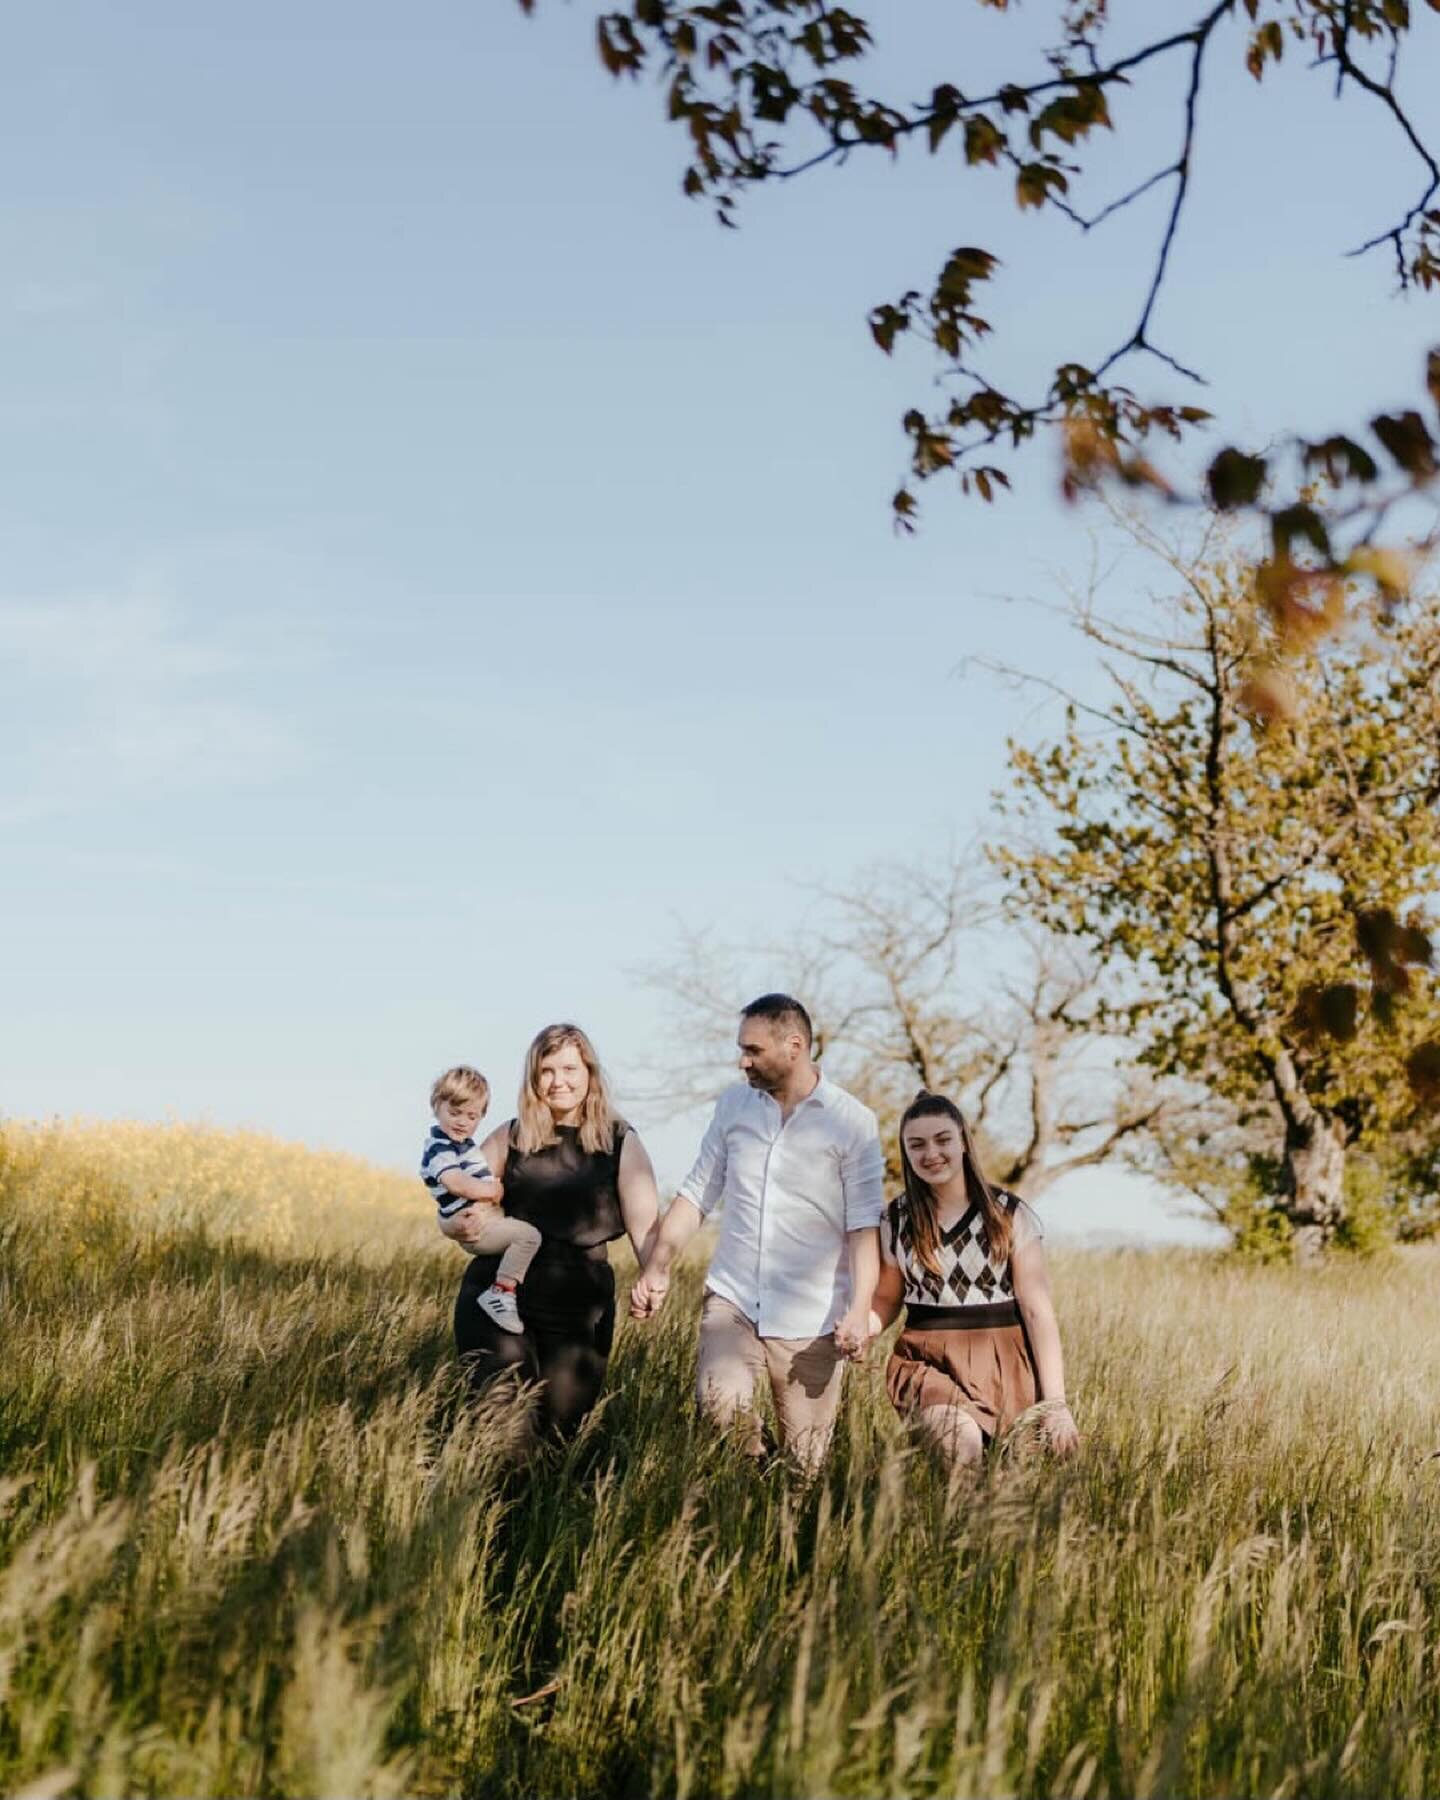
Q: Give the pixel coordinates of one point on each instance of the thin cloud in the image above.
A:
(106, 695)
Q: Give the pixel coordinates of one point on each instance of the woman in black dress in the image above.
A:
(576, 1171)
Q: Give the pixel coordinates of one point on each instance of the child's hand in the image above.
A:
(852, 1334)
(492, 1190)
(460, 1227)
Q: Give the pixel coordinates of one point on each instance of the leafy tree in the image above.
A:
(767, 90)
(1254, 870)
(886, 970)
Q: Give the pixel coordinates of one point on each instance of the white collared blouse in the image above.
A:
(792, 1189)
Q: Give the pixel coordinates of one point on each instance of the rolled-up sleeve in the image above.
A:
(862, 1178)
(705, 1183)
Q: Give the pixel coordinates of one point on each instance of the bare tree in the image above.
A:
(1061, 1098)
(888, 970)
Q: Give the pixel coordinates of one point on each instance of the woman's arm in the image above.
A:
(639, 1196)
(852, 1333)
(889, 1297)
(673, 1233)
(1031, 1281)
(496, 1149)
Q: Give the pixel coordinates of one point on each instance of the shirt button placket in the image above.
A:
(762, 1281)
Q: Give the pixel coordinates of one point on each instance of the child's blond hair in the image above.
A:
(460, 1083)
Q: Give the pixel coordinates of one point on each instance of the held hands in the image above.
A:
(648, 1294)
(854, 1331)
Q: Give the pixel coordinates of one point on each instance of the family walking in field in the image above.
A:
(810, 1263)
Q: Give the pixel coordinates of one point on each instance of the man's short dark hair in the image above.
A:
(783, 1012)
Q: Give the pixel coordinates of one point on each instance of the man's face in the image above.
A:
(767, 1054)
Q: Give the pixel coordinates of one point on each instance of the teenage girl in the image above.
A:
(980, 1343)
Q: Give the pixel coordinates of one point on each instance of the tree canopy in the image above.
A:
(1256, 880)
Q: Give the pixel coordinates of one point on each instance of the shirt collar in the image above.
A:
(825, 1092)
(822, 1094)
(465, 1143)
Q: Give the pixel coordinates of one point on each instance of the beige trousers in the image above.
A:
(518, 1240)
(805, 1376)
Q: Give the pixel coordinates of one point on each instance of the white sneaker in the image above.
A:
(499, 1303)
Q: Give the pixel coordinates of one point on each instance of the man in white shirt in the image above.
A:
(797, 1162)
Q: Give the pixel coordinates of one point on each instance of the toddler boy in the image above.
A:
(458, 1176)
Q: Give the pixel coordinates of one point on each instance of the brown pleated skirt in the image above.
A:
(973, 1357)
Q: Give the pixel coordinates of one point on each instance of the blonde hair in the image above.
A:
(460, 1083)
(534, 1122)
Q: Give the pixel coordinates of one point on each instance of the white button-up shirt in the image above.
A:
(792, 1189)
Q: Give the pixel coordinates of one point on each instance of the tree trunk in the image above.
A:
(1314, 1184)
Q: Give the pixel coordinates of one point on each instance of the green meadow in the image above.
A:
(255, 1539)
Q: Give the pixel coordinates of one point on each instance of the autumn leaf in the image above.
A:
(1340, 459)
(987, 479)
(1422, 1066)
(886, 323)
(1071, 116)
(1332, 1011)
(1268, 41)
(964, 266)
(1392, 948)
(1088, 453)
(944, 111)
(1304, 605)
(1390, 570)
(984, 140)
(1405, 437)
(1268, 696)
(1299, 521)
(1034, 182)
(1235, 479)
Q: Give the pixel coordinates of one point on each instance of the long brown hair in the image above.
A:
(535, 1123)
(920, 1196)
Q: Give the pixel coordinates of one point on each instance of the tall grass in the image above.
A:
(255, 1540)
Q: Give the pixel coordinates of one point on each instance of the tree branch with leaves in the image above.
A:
(767, 91)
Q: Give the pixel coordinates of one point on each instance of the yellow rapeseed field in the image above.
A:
(232, 1184)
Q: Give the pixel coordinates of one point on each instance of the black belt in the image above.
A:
(961, 1318)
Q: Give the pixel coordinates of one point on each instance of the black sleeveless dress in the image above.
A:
(567, 1301)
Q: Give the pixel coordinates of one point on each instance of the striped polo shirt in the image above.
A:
(443, 1152)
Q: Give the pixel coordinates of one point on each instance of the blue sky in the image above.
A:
(437, 558)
